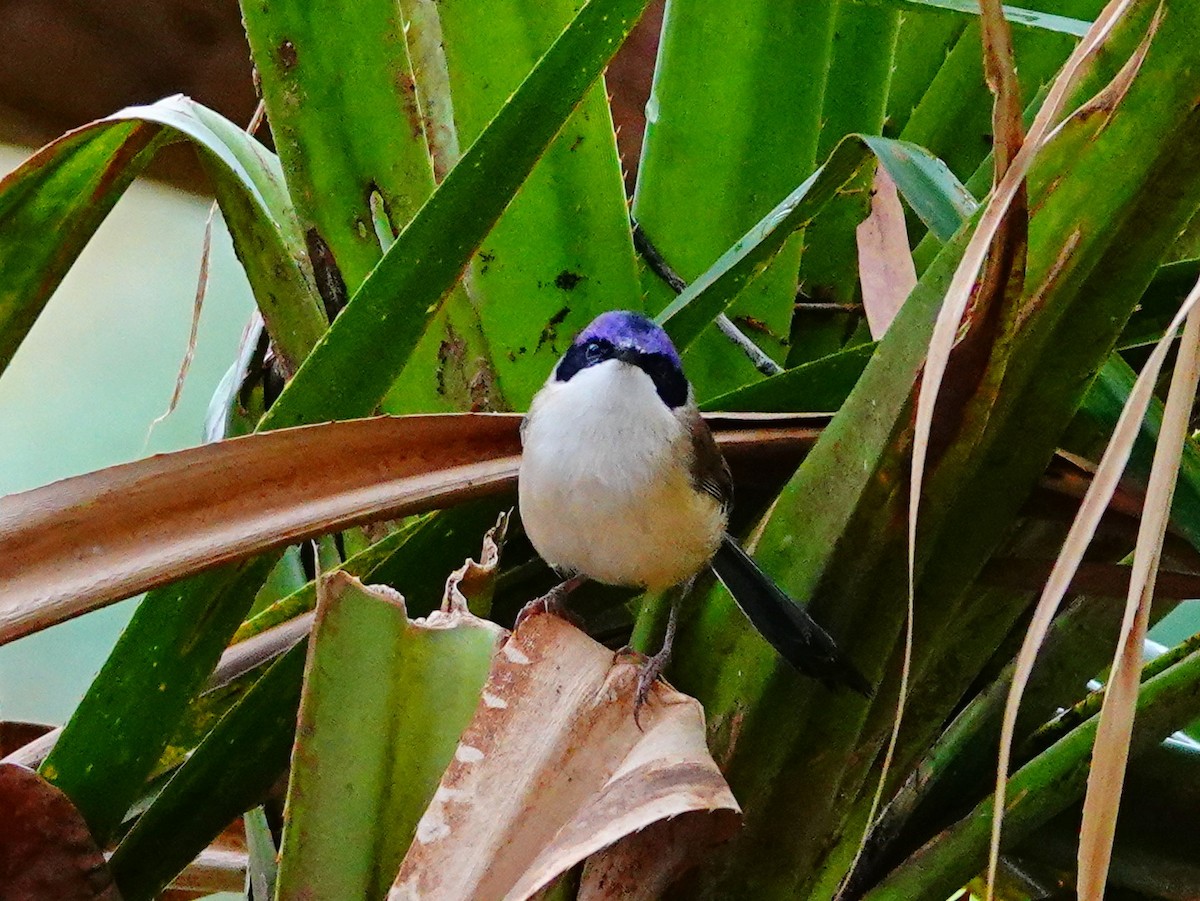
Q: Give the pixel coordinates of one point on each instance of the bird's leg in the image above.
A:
(553, 601)
(652, 667)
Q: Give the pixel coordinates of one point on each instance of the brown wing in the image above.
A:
(711, 474)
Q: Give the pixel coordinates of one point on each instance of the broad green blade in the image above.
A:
(856, 91)
(121, 728)
(52, 204)
(731, 127)
(562, 252)
(388, 314)
(385, 702)
(351, 127)
(214, 786)
(338, 86)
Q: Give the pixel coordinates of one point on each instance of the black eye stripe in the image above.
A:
(668, 379)
(581, 356)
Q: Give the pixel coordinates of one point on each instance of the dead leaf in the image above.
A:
(15, 735)
(84, 542)
(469, 588)
(1107, 774)
(553, 769)
(1091, 510)
(885, 264)
(46, 850)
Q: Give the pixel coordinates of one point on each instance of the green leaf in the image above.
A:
(385, 701)
(119, 731)
(387, 315)
(923, 180)
(1043, 787)
(214, 786)
(52, 204)
(731, 127)
(856, 88)
(562, 252)
(345, 118)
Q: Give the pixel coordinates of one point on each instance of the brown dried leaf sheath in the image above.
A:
(78, 544)
(46, 850)
(553, 769)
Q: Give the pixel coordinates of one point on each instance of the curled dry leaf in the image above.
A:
(81, 543)
(469, 588)
(46, 850)
(885, 264)
(553, 769)
(1095, 502)
(1115, 730)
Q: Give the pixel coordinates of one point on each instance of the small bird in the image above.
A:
(622, 483)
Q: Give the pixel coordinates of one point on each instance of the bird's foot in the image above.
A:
(553, 601)
(648, 673)
(649, 669)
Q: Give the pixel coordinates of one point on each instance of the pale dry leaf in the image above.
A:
(1095, 502)
(996, 249)
(198, 300)
(553, 769)
(958, 295)
(189, 353)
(476, 580)
(216, 869)
(885, 264)
(1107, 774)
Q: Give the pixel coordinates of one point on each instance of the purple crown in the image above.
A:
(627, 329)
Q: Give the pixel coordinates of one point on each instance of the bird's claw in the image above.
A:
(536, 607)
(553, 601)
(649, 670)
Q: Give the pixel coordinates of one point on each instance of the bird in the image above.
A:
(622, 483)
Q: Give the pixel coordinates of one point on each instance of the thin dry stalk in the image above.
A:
(1111, 754)
(1095, 502)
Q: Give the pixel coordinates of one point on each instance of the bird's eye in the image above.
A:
(593, 351)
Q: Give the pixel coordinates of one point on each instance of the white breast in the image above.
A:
(604, 485)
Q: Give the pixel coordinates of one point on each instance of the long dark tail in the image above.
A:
(785, 625)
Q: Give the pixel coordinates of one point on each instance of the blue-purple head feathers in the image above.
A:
(624, 328)
(630, 338)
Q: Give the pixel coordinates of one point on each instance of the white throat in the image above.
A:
(605, 486)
